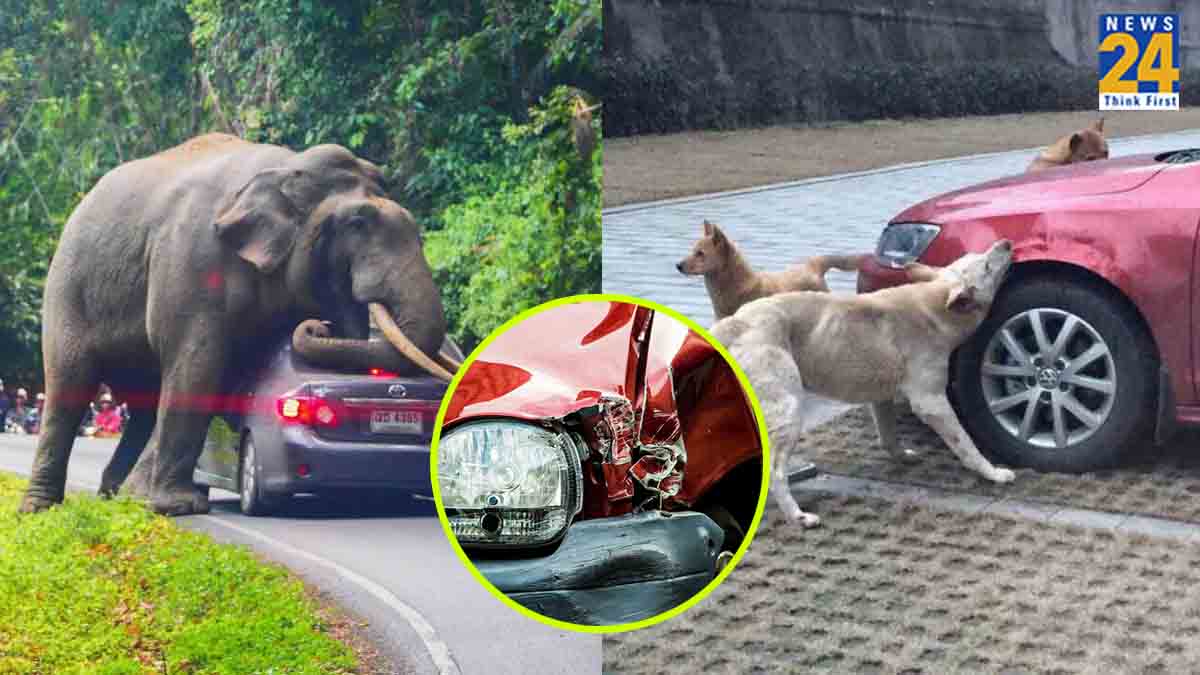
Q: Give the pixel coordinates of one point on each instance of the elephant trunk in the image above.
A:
(312, 340)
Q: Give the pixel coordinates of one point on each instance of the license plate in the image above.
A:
(396, 422)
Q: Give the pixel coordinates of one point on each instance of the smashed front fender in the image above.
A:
(615, 570)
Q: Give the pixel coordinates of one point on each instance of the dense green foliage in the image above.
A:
(466, 105)
(107, 587)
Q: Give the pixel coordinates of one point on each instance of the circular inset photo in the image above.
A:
(599, 463)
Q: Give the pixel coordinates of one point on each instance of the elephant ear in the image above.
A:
(264, 219)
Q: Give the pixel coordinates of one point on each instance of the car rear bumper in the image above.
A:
(333, 465)
(615, 570)
(873, 276)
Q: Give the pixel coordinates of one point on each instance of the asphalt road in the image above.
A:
(389, 564)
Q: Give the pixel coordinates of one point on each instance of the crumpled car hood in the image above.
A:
(581, 353)
(661, 409)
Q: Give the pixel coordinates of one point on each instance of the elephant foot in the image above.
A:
(184, 501)
(108, 489)
(35, 503)
(137, 485)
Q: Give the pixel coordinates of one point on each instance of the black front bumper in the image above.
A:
(615, 570)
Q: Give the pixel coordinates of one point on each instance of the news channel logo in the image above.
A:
(1139, 62)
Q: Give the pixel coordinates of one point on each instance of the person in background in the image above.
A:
(33, 419)
(108, 418)
(15, 419)
(5, 405)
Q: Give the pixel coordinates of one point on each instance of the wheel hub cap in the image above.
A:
(1047, 378)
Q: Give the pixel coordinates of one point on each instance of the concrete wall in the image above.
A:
(734, 48)
(738, 34)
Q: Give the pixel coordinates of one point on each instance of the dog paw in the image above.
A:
(1002, 476)
(809, 520)
(908, 456)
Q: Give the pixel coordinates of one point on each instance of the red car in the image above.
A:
(599, 462)
(1089, 346)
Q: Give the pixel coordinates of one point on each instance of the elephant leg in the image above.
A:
(129, 448)
(69, 388)
(163, 474)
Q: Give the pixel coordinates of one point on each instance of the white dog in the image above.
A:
(866, 349)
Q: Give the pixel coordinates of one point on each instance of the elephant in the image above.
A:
(173, 269)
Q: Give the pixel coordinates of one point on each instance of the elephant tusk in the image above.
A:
(400, 341)
(448, 361)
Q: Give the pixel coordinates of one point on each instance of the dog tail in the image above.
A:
(847, 263)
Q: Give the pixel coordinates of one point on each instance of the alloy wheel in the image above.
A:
(1048, 378)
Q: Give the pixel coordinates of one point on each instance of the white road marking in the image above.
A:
(439, 651)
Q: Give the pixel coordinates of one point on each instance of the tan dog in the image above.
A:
(1082, 146)
(866, 349)
(732, 283)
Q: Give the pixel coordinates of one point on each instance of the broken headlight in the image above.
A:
(508, 483)
(902, 243)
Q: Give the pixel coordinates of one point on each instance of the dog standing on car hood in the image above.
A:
(731, 282)
(1084, 145)
(866, 349)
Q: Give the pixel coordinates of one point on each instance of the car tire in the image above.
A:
(734, 532)
(1093, 391)
(253, 500)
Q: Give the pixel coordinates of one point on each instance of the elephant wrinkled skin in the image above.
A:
(174, 270)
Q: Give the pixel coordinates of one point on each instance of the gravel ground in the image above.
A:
(646, 168)
(901, 588)
(1162, 482)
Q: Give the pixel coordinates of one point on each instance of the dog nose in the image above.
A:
(679, 266)
(1005, 245)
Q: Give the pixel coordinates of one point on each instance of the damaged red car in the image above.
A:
(600, 462)
(1090, 348)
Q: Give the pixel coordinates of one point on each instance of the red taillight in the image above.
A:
(379, 372)
(307, 410)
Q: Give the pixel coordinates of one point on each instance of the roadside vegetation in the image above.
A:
(107, 587)
(469, 106)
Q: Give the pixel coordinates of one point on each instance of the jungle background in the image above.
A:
(470, 106)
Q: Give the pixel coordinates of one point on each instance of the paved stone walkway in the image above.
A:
(778, 225)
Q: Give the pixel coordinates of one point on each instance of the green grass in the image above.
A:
(107, 587)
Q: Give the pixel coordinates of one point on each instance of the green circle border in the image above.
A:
(662, 616)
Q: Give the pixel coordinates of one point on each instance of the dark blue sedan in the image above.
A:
(306, 429)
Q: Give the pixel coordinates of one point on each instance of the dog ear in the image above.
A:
(1076, 139)
(962, 299)
(918, 272)
(708, 228)
(1098, 126)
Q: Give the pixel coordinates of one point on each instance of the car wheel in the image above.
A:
(254, 501)
(1060, 377)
